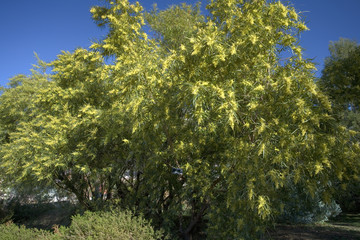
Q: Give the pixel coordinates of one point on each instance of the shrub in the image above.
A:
(349, 198)
(301, 207)
(109, 225)
(10, 231)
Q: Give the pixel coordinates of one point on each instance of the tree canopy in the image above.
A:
(341, 81)
(341, 75)
(219, 103)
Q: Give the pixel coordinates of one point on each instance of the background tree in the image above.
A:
(341, 81)
(341, 74)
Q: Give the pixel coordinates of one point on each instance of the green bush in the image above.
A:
(91, 225)
(109, 225)
(301, 207)
(10, 231)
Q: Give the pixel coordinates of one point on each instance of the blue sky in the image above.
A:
(49, 26)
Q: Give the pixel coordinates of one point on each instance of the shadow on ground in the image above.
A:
(45, 215)
(344, 227)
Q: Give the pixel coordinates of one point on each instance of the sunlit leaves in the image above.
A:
(233, 105)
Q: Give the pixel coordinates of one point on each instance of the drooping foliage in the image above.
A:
(197, 127)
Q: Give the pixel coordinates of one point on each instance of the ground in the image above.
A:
(344, 227)
(44, 216)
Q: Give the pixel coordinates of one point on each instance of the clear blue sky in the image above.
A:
(49, 26)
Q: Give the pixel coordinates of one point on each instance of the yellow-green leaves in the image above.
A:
(262, 126)
(253, 38)
(217, 117)
(263, 208)
(125, 22)
(259, 89)
(250, 186)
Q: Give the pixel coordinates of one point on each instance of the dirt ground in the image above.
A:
(45, 216)
(345, 227)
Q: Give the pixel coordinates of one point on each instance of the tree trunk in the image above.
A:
(187, 233)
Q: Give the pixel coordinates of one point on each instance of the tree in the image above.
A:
(341, 74)
(341, 81)
(238, 121)
(64, 135)
(16, 108)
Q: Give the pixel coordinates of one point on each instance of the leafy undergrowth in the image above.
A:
(90, 225)
(344, 227)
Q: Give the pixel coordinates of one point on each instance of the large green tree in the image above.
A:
(202, 129)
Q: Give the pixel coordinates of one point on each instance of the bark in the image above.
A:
(187, 233)
(195, 220)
